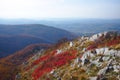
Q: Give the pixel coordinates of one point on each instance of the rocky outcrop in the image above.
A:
(74, 61)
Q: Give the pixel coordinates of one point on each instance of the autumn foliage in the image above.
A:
(49, 62)
(109, 42)
(113, 42)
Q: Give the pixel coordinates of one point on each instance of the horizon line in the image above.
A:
(59, 18)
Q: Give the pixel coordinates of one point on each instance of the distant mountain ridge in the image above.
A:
(37, 30)
(16, 37)
(88, 27)
(77, 26)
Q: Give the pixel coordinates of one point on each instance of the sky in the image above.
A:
(43, 9)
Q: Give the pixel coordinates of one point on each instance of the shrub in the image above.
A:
(52, 61)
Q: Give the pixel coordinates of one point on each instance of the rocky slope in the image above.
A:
(85, 58)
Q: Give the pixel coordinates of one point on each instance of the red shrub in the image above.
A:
(52, 62)
(92, 47)
(105, 43)
(113, 42)
(43, 58)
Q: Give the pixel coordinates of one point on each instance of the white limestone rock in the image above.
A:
(102, 71)
(92, 78)
(102, 50)
(106, 58)
(116, 68)
(71, 44)
(58, 51)
(52, 72)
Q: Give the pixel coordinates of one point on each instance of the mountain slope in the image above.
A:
(86, 58)
(9, 65)
(11, 44)
(16, 37)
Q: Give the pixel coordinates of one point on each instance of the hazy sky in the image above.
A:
(39, 9)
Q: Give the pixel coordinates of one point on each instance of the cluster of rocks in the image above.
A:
(96, 64)
(107, 61)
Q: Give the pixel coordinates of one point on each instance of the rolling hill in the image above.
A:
(16, 37)
(11, 44)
